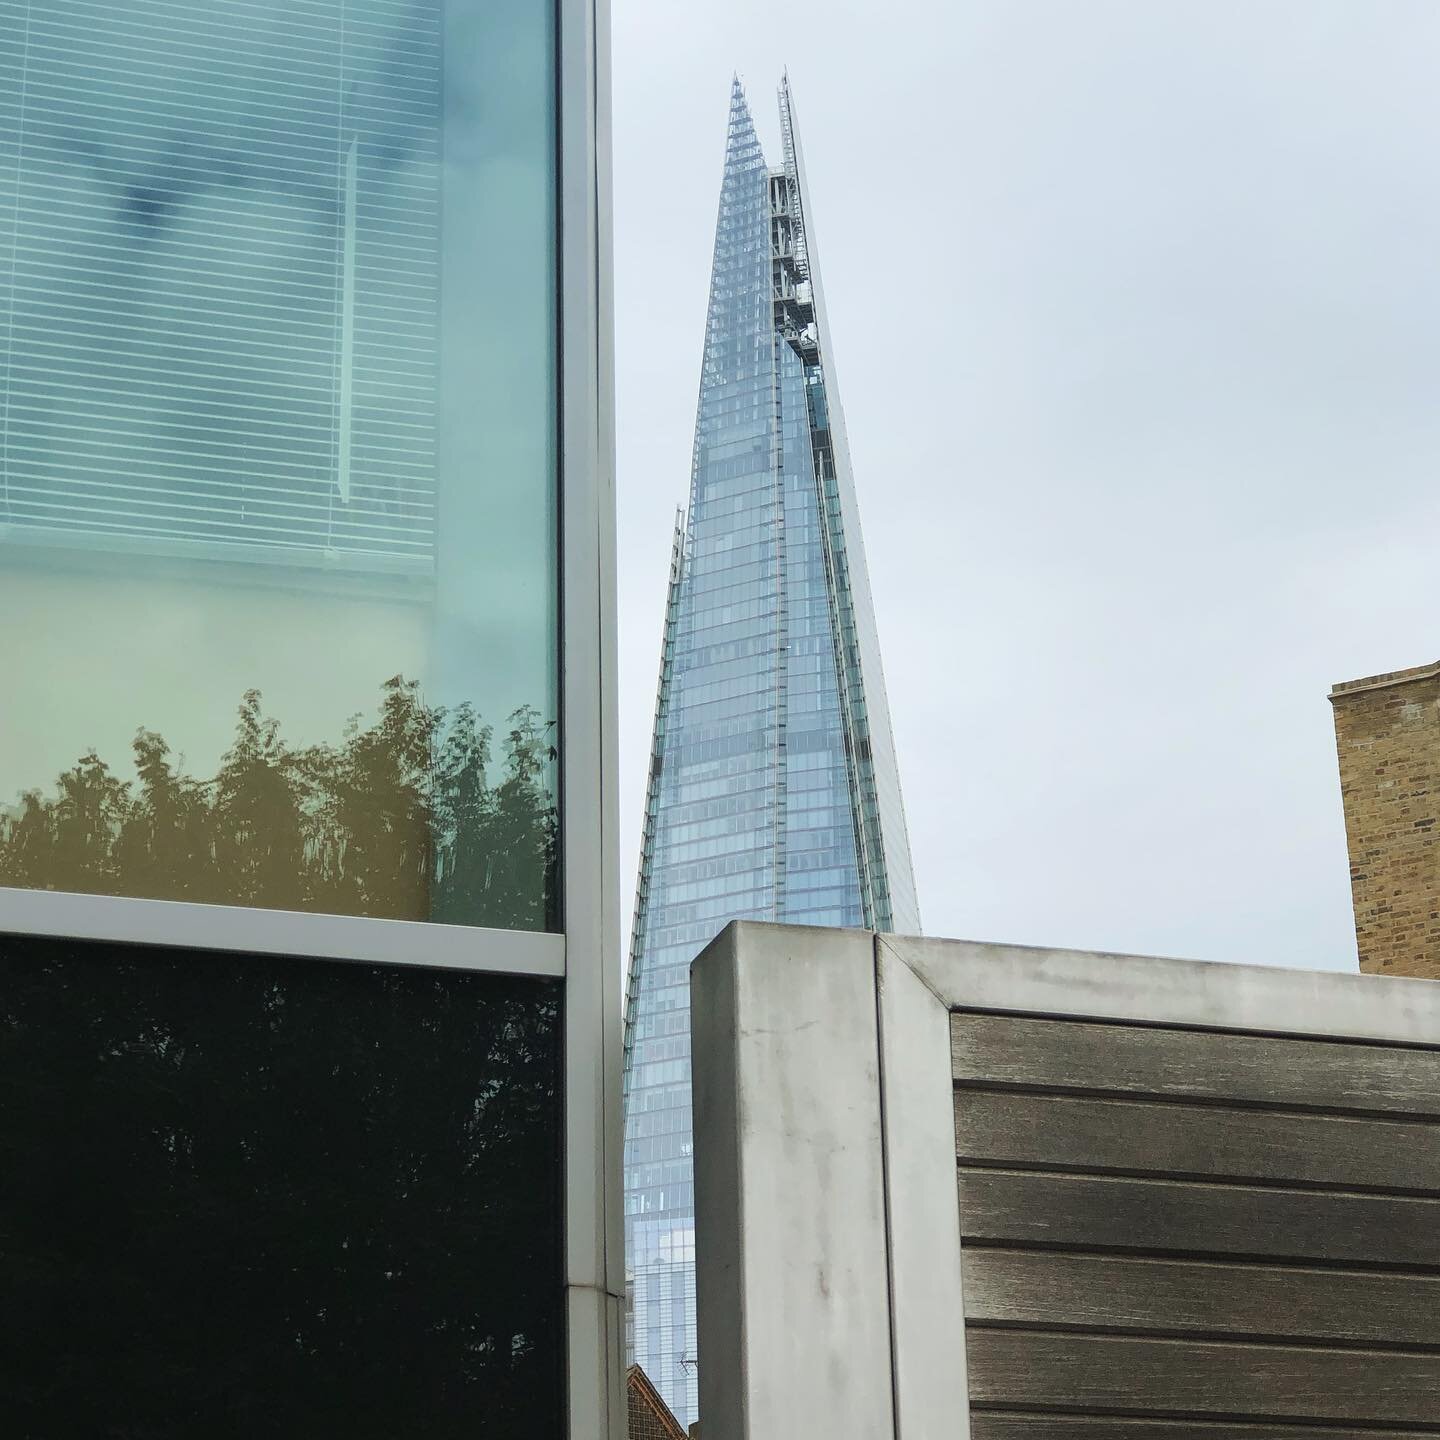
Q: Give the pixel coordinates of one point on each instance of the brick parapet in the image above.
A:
(1387, 734)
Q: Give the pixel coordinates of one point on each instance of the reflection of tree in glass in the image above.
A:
(405, 819)
(265, 1197)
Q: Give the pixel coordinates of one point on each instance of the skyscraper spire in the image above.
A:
(773, 792)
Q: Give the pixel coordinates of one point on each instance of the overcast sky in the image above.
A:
(1136, 316)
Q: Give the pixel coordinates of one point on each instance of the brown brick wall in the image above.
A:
(1387, 733)
(645, 1424)
(649, 1417)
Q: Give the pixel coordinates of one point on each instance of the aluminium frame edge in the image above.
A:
(594, 1254)
(244, 930)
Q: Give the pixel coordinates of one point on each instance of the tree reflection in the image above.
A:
(249, 1196)
(408, 818)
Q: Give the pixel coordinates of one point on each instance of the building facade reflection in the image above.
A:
(247, 448)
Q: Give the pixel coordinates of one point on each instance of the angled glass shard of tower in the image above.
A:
(773, 791)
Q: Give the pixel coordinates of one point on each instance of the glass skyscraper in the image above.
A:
(773, 790)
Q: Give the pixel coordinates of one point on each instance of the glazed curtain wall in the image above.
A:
(752, 805)
(277, 454)
(279, 552)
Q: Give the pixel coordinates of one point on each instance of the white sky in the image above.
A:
(1136, 309)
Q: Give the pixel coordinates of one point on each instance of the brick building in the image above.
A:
(649, 1415)
(1387, 733)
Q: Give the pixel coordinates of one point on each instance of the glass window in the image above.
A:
(278, 529)
(241, 1199)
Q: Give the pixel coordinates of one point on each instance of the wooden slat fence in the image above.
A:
(1182, 1234)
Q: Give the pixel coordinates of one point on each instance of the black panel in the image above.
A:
(260, 1197)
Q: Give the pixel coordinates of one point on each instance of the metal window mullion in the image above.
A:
(246, 931)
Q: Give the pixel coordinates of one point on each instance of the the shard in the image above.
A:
(773, 789)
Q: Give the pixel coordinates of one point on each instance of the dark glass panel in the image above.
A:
(260, 1197)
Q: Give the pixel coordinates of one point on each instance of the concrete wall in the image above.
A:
(1192, 1199)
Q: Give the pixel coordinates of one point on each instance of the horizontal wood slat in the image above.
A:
(1037, 1287)
(1082, 1211)
(1127, 1197)
(1091, 1372)
(1070, 1055)
(993, 1425)
(1065, 1133)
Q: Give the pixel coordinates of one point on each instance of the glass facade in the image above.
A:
(773, 793)
(239, 1198)
(279, 561)
(278, 418)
